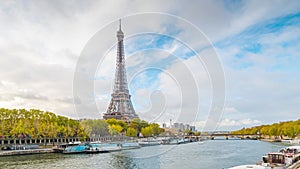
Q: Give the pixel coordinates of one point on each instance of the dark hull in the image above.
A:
(73, 152)
(96, 151)
(58, 150)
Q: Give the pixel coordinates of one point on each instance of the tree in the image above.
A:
(36, 123)
(111, 121)
(289, 128)
(198, 133)
(131, 132)
(114, 129)
(136, 124)
(123, 124)
(156, 130)
(147, 131)
(97, 127)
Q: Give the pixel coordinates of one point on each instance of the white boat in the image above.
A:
(148, 142)
(110, 147)
(295, 141)
(130, 145)
(248, 166)
(286, 158)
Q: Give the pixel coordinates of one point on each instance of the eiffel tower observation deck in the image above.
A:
(120, 106)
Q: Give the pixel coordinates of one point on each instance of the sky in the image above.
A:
(218, 64)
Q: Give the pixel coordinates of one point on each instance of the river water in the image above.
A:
(211, 154)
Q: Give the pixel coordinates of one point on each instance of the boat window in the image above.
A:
(276, 158)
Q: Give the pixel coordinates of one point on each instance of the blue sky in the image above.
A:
(169, 46)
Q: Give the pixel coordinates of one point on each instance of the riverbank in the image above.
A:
(49, 149)
(288, 141)
(221, 153)
(26, 152)
(88, 147)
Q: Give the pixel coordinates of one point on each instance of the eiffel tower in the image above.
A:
(120, 106)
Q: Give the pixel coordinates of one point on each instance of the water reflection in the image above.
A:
(211, 154)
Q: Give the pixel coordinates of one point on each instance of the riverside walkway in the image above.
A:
(56, 141)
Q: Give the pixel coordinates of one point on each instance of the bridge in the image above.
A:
(229, 135)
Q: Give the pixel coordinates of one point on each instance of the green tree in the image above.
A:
(289, 128)
(115, 129)
(156, 130)
(131, 132)
(36, 123)
(112, 121)
(147, 131)
(136, 124)
(198, 133)
(123, 124)
(97, 127)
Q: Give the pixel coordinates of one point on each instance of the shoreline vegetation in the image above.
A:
(288, 130)
(33, 123)
(36, 124)
(113, 127)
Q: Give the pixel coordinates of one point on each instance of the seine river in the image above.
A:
(212, 154)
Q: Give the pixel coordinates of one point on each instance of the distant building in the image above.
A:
(175, 125)
(181, 127)
(193, 128)
(164, 125)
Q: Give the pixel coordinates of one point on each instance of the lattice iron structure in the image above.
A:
(120, 106)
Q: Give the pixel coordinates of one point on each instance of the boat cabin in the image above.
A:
(276, 158)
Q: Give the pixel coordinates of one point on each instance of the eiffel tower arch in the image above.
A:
(120, 106)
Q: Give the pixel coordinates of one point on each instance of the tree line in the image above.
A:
(22, 123)
(289, 129)
(33, 123)
(136, 128)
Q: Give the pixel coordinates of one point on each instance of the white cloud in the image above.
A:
(240, 123)
(40, 43)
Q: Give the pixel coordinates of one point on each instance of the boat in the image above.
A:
(286, 158)
(130, 145)
(61, 147)
(76, 149)
(248, 167)
(183, 141)
(295, 141)
(145, 143)
(95, 150)
(174, 141)
(110, 147)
